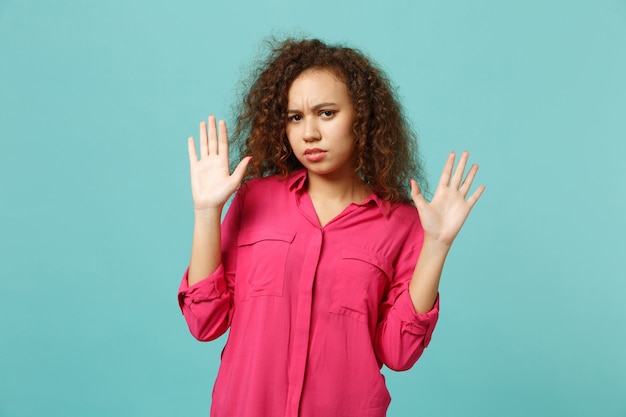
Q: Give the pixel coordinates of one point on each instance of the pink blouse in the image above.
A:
(314, 312)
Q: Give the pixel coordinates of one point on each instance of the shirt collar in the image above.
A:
(297, 180)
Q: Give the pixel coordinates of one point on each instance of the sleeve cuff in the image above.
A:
(416, 323)
(207, 289)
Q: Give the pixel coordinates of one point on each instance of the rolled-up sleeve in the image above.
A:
(206, 305)
(403, 334)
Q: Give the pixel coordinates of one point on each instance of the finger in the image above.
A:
(240, 171)
(444, 180)
(223, 141)
(203, 140)
(191, 148)
(460, 170)
(212, 136)
(474, 197)
(467, 182)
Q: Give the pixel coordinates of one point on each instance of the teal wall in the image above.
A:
(97, 100)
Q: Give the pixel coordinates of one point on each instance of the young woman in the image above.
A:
(322, 269)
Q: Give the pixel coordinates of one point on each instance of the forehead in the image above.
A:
(318, 84)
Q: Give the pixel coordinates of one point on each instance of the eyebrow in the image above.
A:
(316, 107)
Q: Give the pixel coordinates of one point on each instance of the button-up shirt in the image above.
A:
(314, 312)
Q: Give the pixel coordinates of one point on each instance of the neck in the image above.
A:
(348, 189)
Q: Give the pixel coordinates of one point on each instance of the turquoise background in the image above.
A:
(97, 100)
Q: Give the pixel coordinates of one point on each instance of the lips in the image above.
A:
(314, 154)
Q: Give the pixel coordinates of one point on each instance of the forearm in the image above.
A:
(424, 285)
(206, 245)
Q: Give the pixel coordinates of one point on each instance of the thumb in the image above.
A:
(241, 169)
(416, 194)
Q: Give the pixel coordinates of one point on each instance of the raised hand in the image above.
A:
(443, 217)
(211, 181)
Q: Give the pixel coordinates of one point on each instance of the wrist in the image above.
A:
(209, 213)
(435, 246)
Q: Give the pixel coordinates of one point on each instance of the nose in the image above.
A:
(311, 131)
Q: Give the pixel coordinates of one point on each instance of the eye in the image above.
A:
(294, 118)
(327, 114)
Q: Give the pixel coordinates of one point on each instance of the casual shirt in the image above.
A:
(314, 312)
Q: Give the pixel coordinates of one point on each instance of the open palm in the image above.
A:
(211, 181)
(443, 217)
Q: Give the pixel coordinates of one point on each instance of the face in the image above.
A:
(320, 117)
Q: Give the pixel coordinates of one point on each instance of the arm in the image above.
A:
(211, 186)
(441, 220)
(411, 309)
(208, 304)
(204, 294)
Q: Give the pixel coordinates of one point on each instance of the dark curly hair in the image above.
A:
(386, 145)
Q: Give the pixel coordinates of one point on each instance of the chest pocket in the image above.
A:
(362, 280)
(261, 257)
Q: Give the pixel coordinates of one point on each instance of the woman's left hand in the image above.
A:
(443, 217)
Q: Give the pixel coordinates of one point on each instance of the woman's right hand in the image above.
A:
(211, 181)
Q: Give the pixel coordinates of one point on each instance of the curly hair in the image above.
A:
(386, 145)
